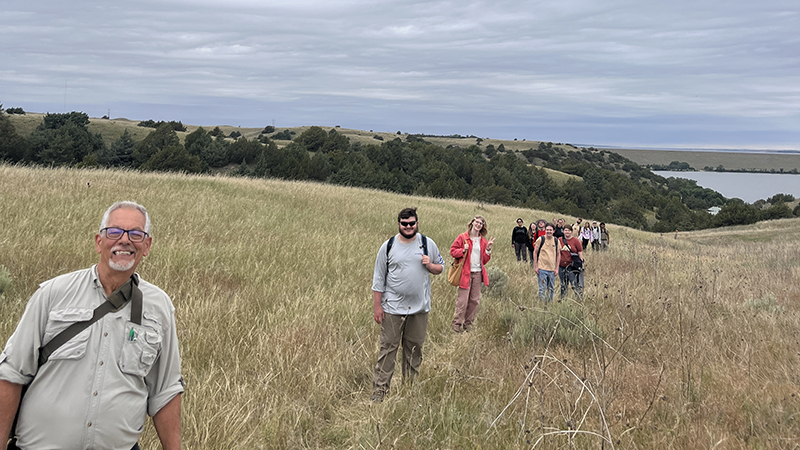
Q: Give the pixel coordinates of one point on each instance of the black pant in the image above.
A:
(521, 249)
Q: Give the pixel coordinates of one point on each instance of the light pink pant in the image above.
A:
(467, 301)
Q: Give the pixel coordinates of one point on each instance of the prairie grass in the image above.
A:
(687, 343)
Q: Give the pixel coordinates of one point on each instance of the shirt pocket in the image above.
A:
(140, 349)
(58, 321)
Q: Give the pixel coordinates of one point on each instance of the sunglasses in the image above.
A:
(408, 224)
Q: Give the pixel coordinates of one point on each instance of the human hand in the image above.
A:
(426, 260)
(490, 244)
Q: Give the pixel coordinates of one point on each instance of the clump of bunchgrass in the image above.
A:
(561, 323)
(498, 281)
(767, 303)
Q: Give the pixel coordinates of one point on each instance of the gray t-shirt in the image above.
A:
(407, 286)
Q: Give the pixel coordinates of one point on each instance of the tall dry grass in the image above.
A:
(687, 343)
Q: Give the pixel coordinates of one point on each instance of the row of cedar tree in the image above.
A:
(611, 188)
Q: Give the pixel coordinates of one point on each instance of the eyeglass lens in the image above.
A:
(116, 233)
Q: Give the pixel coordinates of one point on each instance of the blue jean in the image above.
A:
(547, 285)
(574, 279)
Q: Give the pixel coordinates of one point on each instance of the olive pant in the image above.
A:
(411, 330)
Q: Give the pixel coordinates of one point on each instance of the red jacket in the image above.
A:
(457, 252)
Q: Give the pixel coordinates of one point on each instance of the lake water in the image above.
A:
(746, 186)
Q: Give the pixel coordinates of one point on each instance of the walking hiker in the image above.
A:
(93, 388)
(604, 238)
(401, 292)
(570, 269)
(546, 258)
(534, 232)
(519, 239)
(595, 237)
(472, 245)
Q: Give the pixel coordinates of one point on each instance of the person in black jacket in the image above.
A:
(519, 240)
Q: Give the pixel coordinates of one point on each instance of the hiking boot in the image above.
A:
(377, 397)
(457, 328)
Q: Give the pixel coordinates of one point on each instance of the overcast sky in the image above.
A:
(677, 73)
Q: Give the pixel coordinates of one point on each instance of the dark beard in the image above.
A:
(407, 236)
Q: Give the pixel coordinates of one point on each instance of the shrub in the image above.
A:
(284, 135)
(566, 323)
(15, 111)
(498, 281)
(268, 129)
(767, 303)
(380, 138)
(235, 134)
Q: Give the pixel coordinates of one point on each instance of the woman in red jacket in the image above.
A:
(478, 251)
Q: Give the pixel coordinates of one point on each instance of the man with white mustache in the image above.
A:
(95, 387)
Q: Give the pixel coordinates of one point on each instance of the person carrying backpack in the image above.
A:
(401, 294)
(546, 258)
(570, 269)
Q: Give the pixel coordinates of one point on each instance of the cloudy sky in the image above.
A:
(677, 73)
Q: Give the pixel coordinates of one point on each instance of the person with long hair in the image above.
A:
(586, 235)
(474, 246)
(535, 231)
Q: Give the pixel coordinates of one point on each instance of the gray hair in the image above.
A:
(126, 205)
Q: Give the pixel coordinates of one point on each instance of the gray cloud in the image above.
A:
(612, 72)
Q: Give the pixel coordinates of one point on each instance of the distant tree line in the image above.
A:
(611, 188)
(673, 166)
(721, 168)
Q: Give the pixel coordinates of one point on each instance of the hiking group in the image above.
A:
(401, 284)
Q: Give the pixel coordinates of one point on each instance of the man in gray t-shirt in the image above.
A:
(401, 291)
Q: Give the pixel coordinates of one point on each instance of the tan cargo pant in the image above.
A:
(411, 330)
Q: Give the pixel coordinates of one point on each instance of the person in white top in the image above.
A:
(473, 245)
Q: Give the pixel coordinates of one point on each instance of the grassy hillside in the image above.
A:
(680, 343)
(112, 129)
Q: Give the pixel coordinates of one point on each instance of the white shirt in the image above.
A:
(475, 255)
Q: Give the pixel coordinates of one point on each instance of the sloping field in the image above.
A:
(729, 160)
(680, 343)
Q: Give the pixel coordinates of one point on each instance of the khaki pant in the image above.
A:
(411, 330)
(467, 302)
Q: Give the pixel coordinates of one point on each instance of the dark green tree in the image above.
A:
(120, 154)
(174, 158)
(312, 139)
(13, 147)
(163, 136)
(736, 212)
(63, 139)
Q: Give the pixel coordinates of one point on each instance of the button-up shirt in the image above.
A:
(95, 390)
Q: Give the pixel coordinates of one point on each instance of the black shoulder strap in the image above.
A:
(389, 244)
(129, 291)
(424, 244)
